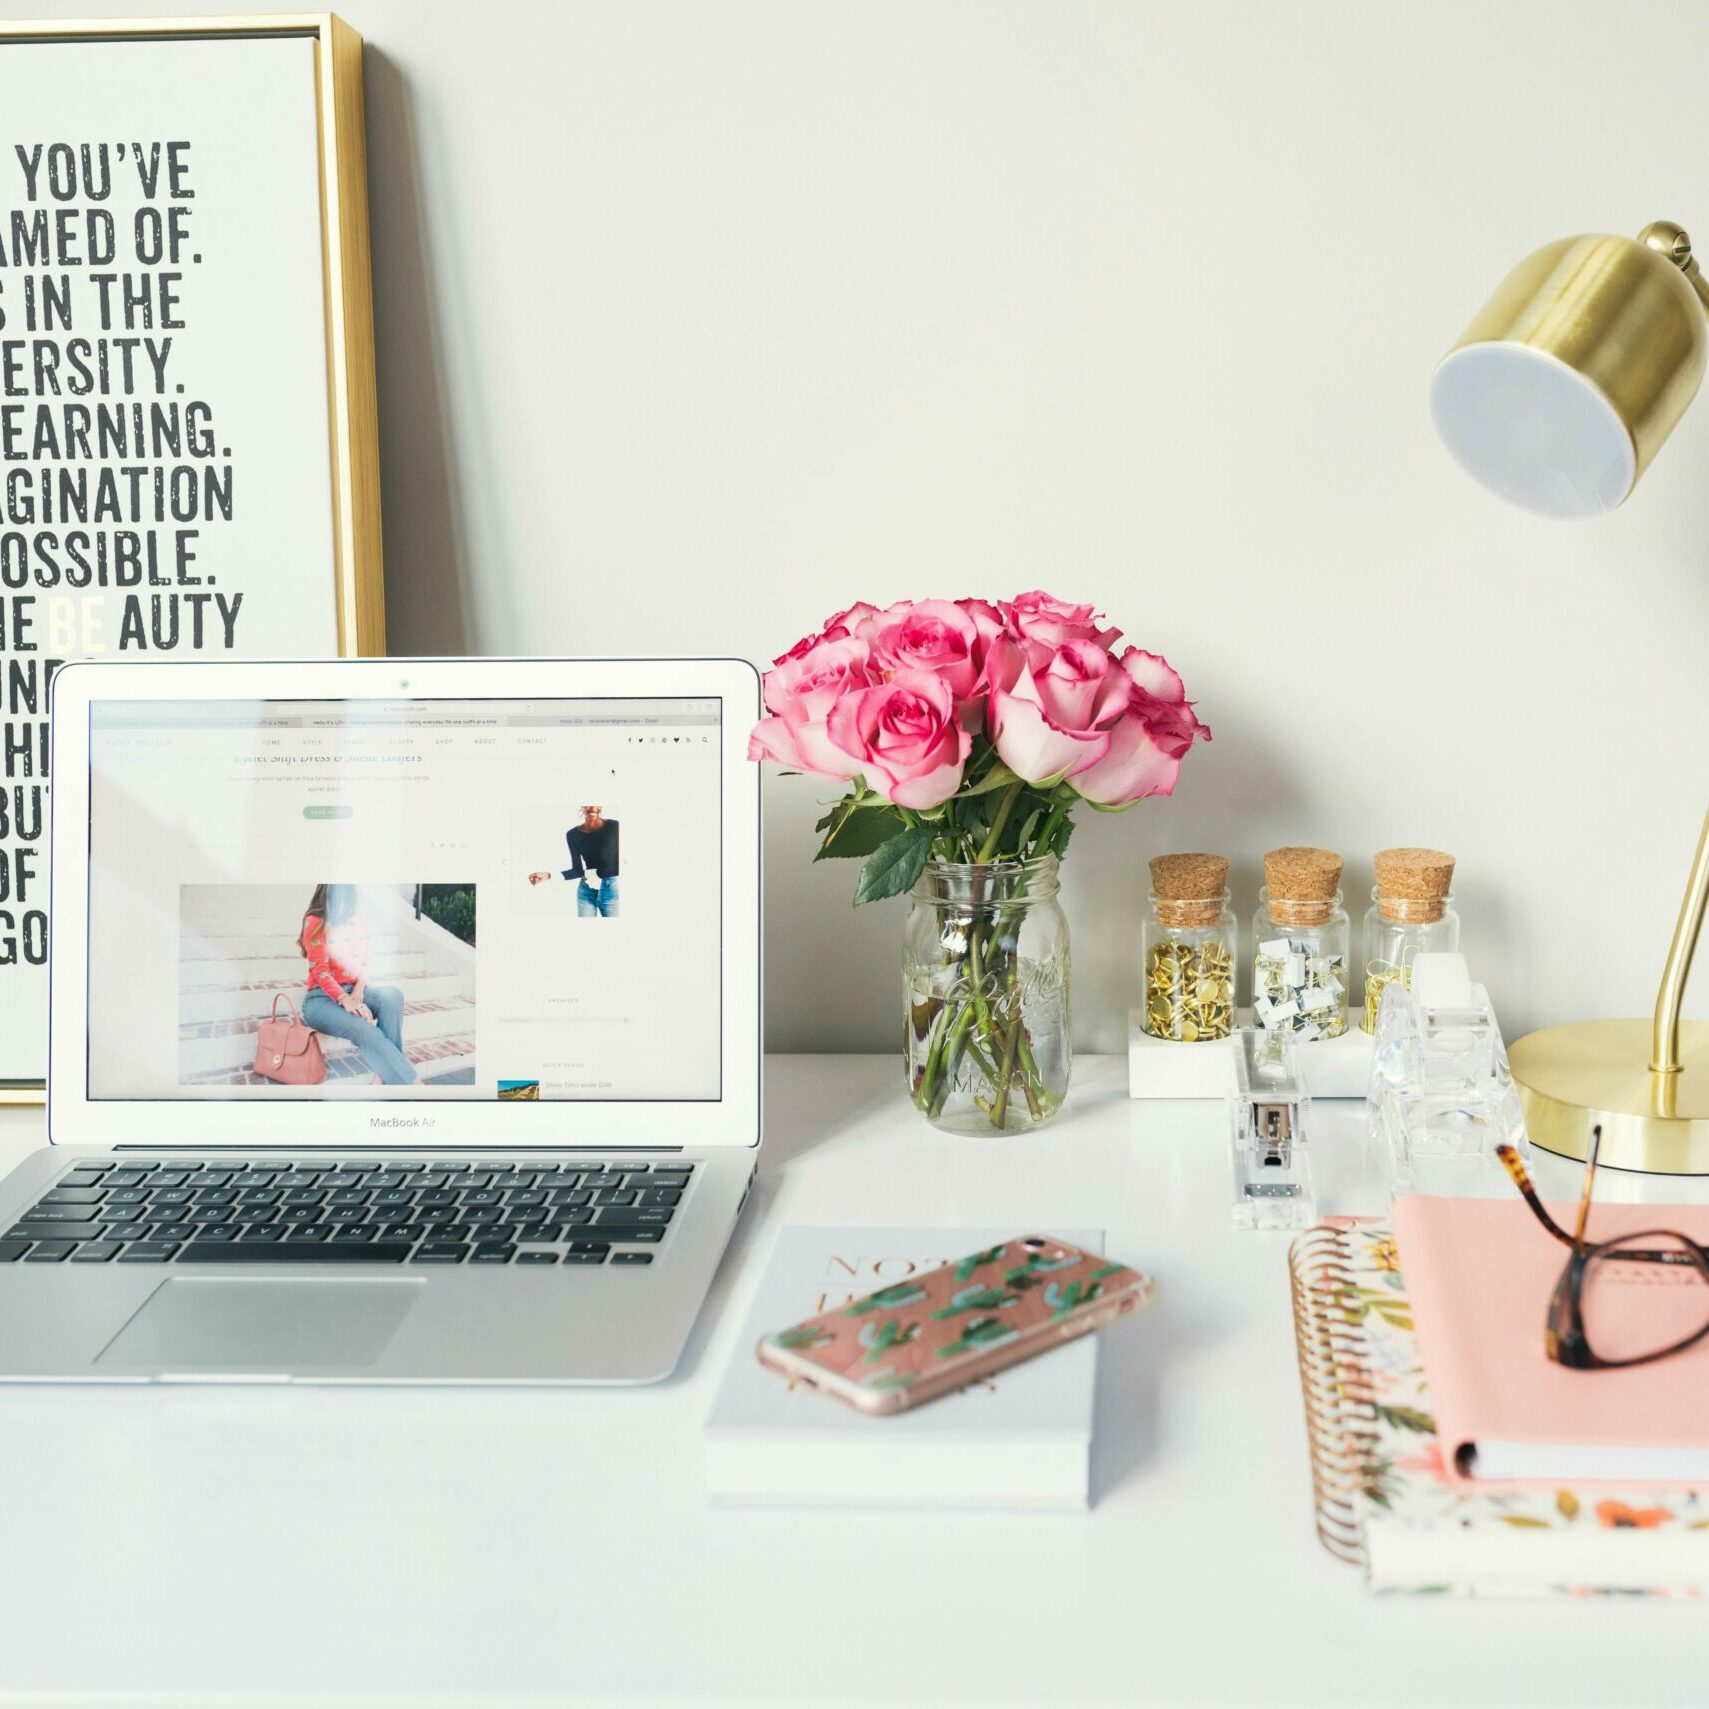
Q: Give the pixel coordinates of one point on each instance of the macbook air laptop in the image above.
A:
(404, 1022)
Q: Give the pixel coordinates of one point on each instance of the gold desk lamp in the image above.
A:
(1558, 396)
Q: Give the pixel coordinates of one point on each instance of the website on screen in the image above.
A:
(512, 900)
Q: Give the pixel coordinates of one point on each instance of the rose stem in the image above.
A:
(922, 1087)
(1004, 808)
(1000, 1113)
(1048, 830)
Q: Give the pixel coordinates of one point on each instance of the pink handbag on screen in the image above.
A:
(287, 1052)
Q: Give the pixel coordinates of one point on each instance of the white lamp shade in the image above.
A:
(1533, 430)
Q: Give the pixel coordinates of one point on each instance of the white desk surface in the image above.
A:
(237, 1547)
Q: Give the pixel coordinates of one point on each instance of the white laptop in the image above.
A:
(404, 1022)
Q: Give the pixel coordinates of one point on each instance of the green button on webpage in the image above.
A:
(328, 812)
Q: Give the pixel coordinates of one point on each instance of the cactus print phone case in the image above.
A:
(924, 1337)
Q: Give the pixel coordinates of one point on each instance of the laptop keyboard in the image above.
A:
(253, 1211)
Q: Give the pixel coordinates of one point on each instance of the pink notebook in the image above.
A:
(1480, 1273)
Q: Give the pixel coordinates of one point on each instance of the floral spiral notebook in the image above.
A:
(1385, 1498)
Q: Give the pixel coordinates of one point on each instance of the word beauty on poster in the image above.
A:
(187, 440)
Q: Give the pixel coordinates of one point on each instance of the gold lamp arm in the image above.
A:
(1670, 240)
(1664, 1041)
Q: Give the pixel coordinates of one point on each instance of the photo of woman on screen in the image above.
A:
(592, 846)
(380, 976)
(334, 940)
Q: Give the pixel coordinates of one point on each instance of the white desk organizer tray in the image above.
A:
(1162, 1068)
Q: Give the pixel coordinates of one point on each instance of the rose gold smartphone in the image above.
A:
(915, 1340)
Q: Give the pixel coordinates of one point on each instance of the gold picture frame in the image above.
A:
(358, 591)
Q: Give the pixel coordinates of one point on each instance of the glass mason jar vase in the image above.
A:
(1299, 965)
(985, 981)
(1187, 949)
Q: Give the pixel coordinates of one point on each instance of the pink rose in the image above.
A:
(897, 696)
(800, 691)
(1161, 698)
(1150, 739)
(1040, 623)
(806, 686)
(989, 626)
(1133, 766)
(996, 652)
(927, 635)
(848, 621)
(799, 747)
(904, 737)
(1056, 719)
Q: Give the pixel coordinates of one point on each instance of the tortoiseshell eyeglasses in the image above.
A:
(1596, 1321)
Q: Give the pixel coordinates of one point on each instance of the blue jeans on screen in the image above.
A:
(600, 898)
(379, 1041)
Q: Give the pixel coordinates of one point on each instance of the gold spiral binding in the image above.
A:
(1340, 1404)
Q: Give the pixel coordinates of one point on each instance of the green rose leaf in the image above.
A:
(854, 829)
(998, 777)
(895, 865)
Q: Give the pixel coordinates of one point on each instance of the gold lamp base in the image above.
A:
(1574, 1077)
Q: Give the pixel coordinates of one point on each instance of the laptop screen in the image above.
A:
(405, 900)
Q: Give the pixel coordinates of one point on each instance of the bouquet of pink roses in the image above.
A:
(966, 732)
(970, 729)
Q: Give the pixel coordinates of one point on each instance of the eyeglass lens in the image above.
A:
(1632, 1309)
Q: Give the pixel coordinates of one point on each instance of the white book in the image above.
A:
(1021, 1439)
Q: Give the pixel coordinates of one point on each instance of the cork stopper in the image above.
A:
(1302, 884)
(1302, 875)
(1189, 888)
(1412, 884)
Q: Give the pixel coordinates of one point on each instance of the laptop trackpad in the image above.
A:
(229, 1323)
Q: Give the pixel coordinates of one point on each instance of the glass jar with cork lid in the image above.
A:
(1411, 911)
(1188, 949)
(1300, 945)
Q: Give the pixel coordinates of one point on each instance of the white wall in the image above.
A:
(697, 321)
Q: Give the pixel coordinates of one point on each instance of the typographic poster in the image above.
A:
(165, 464)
